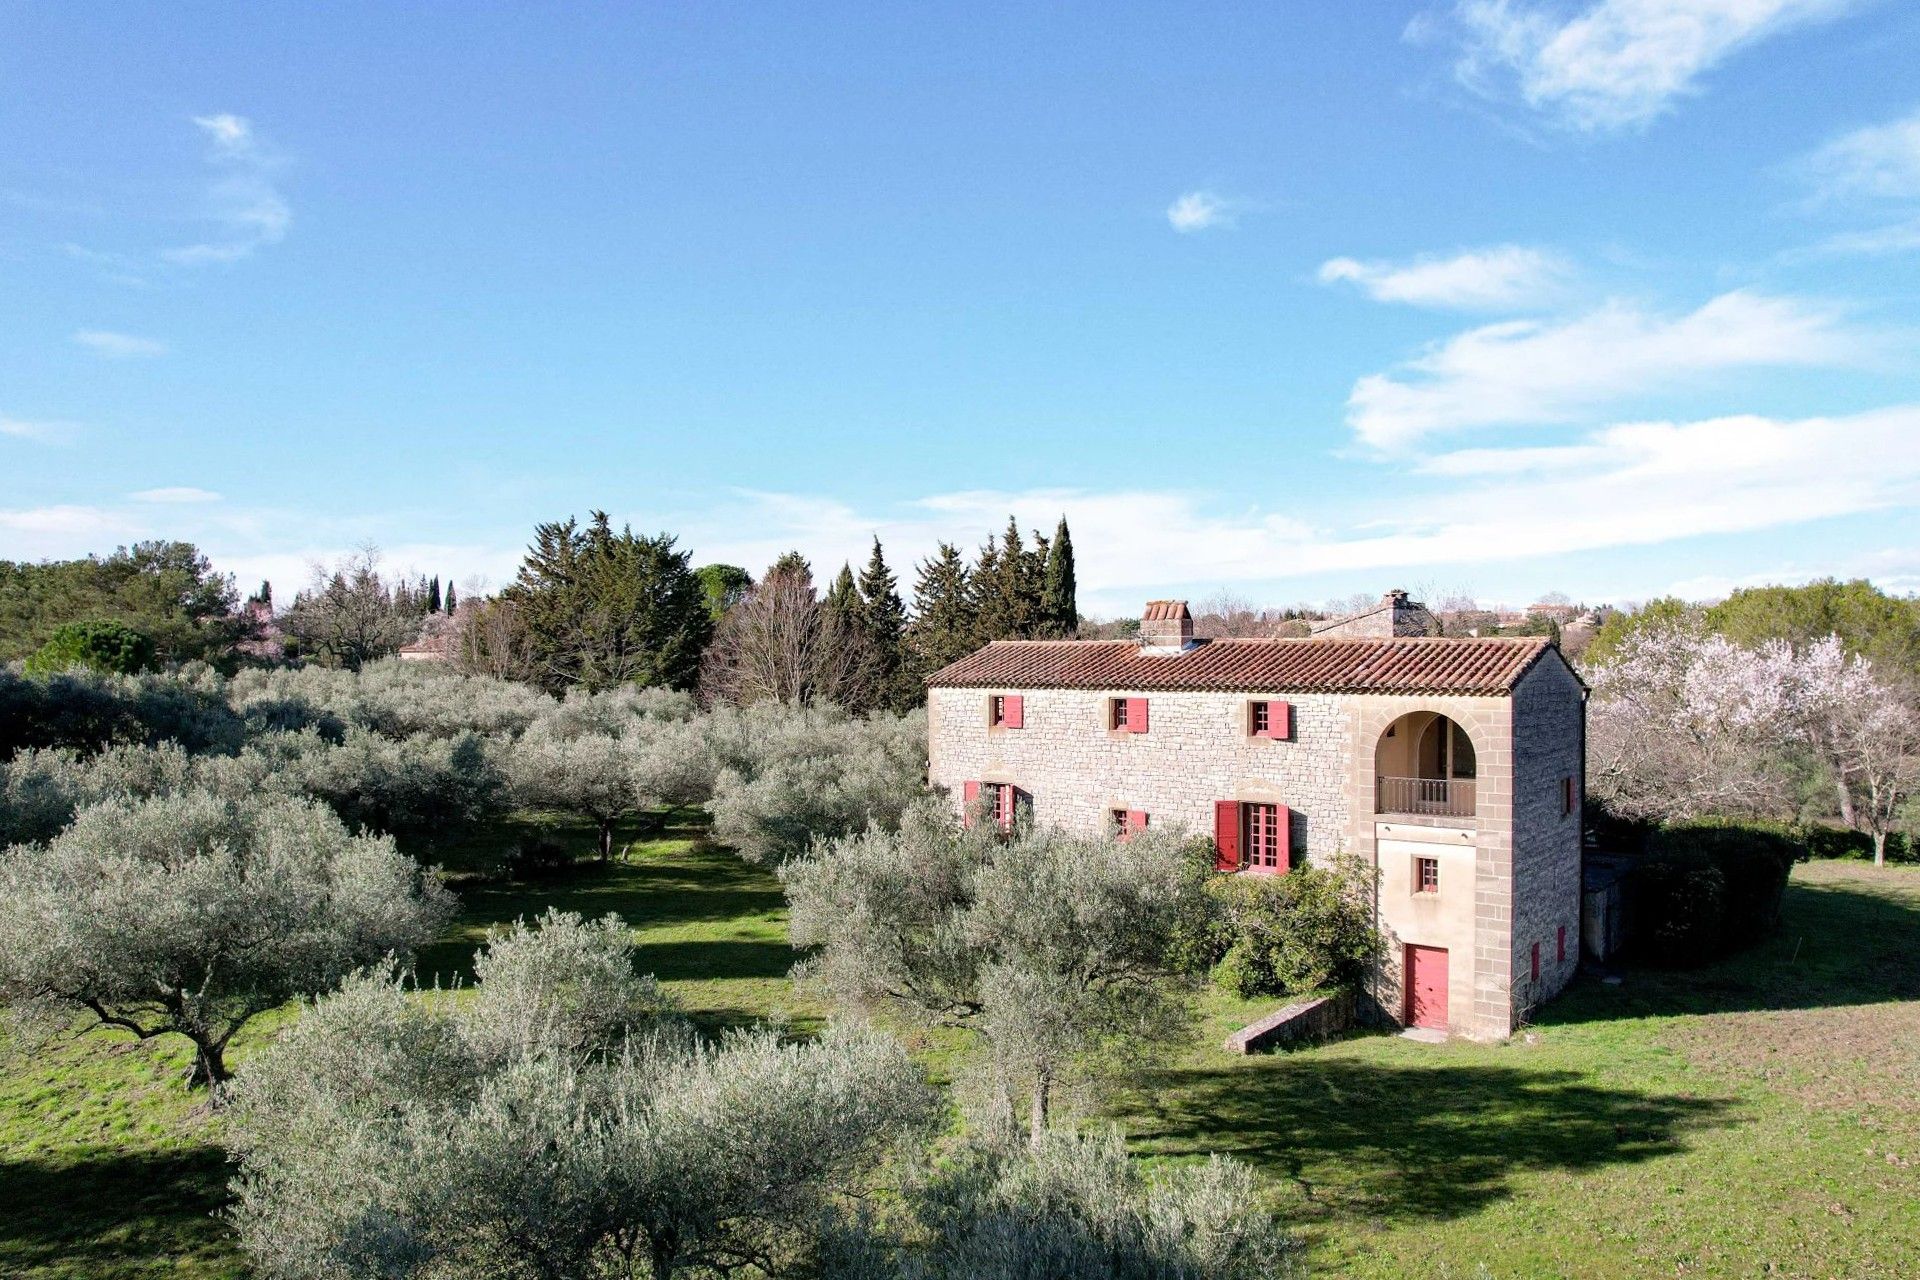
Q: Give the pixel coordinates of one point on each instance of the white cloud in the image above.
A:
(1900, 237)
(119, 346)
(44, 431)
(181, 494)
(1881, 162)
(1532, 372)
(1632, 484)
(1614, 64)
(1502, 276)
(244, 201)
(1199, 210)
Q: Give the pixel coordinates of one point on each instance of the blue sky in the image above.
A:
(1614, 297)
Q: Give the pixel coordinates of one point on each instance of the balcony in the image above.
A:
(1424, 797)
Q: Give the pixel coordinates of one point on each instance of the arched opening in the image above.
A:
(1425, 763)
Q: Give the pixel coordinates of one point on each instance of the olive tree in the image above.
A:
(385, 1135)
(1050, 945)
(188, 914)
(1074, 1205)
(605, 777)
(784, 776)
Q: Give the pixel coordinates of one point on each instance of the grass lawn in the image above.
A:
(1759, 1118)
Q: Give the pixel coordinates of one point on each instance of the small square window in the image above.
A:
(1262, 719)
(999, 713)
(1426, 875)
(1118, 712)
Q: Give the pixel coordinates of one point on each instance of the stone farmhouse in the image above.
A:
(1450, 767)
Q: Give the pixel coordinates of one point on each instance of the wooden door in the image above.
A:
(1426, 975)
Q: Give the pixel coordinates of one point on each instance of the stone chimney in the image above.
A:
(1166, 627)
(1395, 615)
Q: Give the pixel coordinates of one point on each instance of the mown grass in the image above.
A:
(1757, 1118)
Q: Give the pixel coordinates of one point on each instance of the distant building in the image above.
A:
(1554, 611)
(439, 635)
(1452, 767)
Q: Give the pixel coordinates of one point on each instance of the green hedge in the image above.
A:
(1708, 888)
(1308, 930)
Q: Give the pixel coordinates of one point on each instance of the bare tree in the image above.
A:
(347, 614)
(489, 639)
(781, 644)
(1227, 614)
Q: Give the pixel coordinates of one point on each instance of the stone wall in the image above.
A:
(1549, 732)
(1302, 1022)
(1197, 750)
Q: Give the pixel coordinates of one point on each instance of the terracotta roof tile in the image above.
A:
(1484, 667)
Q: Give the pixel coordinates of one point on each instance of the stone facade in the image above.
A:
(1508, 870)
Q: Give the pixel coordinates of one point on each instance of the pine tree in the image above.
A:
(843, 597)
(886, 622)
(1059, 603)
(450, 601)
(433, 595)
(1009, 586)
(944, 626)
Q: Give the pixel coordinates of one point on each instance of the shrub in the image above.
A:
(1308, 930)
(539, 856)
(101, 645)
(1844, 842)
(1711, 887)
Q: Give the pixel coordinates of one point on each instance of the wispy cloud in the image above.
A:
(119, 346)
(182, 494)
(1629, 484)
(43, 431)
(1501, 277)
(1199, 211)
(244, 201)
(1534, 372)
(1613, 64)
(1867, 174)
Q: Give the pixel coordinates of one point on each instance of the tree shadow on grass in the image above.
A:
(1408, 1142)
(101, 1212)
(1840, 943)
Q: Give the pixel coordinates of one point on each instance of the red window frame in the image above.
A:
(1117, 820)
(1005, 802)
(1561, 946)
(1426, 875)
(1536, 962)
(1260, 836)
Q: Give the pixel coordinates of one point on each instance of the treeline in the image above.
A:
(593, 607)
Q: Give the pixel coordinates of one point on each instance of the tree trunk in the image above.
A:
(606, 839)
(1879, 848)
(209, 1069)
(1846, 799)
(1037, 1117)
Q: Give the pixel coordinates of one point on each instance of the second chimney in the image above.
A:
(1166, 627)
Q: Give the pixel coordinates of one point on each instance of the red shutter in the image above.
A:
(1560, 947)
(1015, 712)
(969, 798)
(1536, 962)
(1136, 820)
(1280, 720)
(1226, 834)
(1136, 715)
(1284, 838)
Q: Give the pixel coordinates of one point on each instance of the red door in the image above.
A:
(1427, 987)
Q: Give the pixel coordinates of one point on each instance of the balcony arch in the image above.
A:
(1425, 764)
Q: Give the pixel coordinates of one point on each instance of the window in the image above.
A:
(1262, 837)
(1006, 711)
(1426, 875)
(1002, 796)
(1127, 821)
(999, 713)
(1262, 719)
(1560, 948)
(1566, 796)
(1536, 962)
(1270, 719)
(1119, 714)
(1119, 819)
(1127, 715)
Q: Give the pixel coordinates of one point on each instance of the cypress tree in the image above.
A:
(886, 622)
(843, 596)
(944, 624)
(433, 595)
(450, 597)
(1059, 603)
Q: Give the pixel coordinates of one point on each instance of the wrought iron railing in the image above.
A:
(1434, 797)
